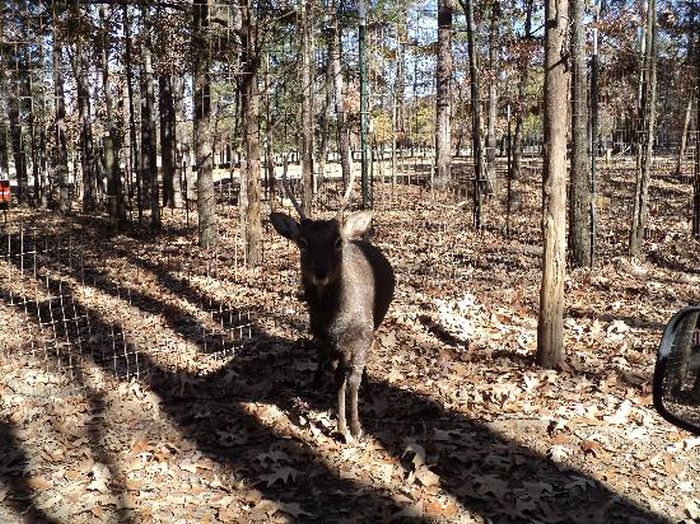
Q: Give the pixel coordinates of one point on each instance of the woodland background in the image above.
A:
(153, 349)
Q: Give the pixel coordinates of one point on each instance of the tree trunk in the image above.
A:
(580, 201)
(326, 113)
(16, 132)
(135, 153)
(646, 149)
(60, 157)
(684, 136)
(550, 329)
(307, 125)
(478, 153)
(30, 96)
(178, 87)
(167, 137)
(251, 134)
(206, 200)
(443, 128)
(520, 108)
(343, 134)
(400, 91)
(4, 151)
(112, 142)
(148, 126)
(696, 185)
(491, 174)
(87, 162)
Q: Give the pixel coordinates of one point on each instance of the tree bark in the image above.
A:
(4, 151)
(478, 154)
(581, 194)
(60, 156)
(491, 174)
(87, 163)
(684, 136)
(112, 142)
(326, 113)
(520, 108)
(167, 137)
(149, 171)
(134, 150)
(343, 135)
(400, 91)
(206, 200)
(646, 149)
(251, 135)
(306, 132)
(696, 184)
(19, 154)
(178, 86)
(443, 127)
(550, 329)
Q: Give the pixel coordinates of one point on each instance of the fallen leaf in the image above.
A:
(294, 510)
(281, 474)
(426, 477)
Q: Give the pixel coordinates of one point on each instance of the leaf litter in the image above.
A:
(460, 424)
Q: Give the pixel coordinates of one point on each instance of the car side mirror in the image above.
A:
(677, 372)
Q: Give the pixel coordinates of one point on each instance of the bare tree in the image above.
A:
(443, 128)
(343, 136)
(201, 57)
(581, 193)
(647, 117)
(306, 125)
(134, 144)
(112, 140)
(696, 183)
(478, 152)
(520, 108)
(250, 112)
(60, 157)
(550, 329)
(80, 61)
(167, 137)
(149, 168)
(493, 94)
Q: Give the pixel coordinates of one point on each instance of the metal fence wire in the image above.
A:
(47, 282)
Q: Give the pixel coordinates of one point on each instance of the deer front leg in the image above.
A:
(354, 381)
(341, 381)
(359, 361)
(320, 369)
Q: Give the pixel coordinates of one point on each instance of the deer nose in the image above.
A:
(321, 272)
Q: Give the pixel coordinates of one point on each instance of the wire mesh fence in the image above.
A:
(48, 281)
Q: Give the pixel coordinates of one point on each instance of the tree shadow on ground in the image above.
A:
(633, 322)
(485, 471)
(14, 477)
(666, 262)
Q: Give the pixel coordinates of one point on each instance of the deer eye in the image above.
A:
(302, 243)
(339, 243)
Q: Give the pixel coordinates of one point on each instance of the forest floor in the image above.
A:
(460, 424)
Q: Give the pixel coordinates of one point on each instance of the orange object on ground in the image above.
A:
(5, 193)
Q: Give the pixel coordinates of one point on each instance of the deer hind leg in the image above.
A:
(323, 360)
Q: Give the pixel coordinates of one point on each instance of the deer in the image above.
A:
(348, 285)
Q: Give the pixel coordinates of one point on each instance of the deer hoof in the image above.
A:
(344, 436)
(356, 430)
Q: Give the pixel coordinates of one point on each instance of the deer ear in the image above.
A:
(285, 225)
(356, 224)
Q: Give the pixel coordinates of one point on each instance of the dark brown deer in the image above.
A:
(348, 286)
